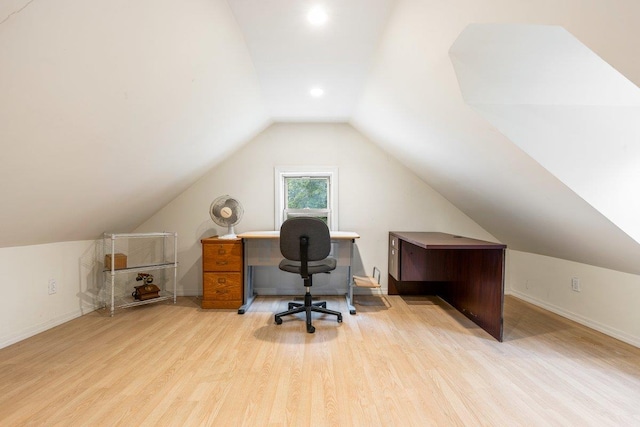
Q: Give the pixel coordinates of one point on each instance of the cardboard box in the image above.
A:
(120, 261)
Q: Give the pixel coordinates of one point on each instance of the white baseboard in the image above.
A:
(605, 329)
(18, 336)
(36, 329)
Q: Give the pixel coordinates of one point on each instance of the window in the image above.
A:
(306, 192)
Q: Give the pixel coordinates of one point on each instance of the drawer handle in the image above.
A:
(222, 291)
(221, 262)
(221, 251)
(222, 280)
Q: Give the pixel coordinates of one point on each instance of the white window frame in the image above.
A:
(282, 172)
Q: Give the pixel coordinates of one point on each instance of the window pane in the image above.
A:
(307, 193)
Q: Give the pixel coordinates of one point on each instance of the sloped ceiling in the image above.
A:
(109, 109)
(413, 107)
(563, 105)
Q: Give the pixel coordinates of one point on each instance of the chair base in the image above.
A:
(308, 307)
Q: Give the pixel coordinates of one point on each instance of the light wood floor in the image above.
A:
(399, 361)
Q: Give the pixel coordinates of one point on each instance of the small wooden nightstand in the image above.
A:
(222, 269)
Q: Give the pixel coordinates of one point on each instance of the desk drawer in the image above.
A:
(394, 242)
(413, 263)
(222, 257)
(393, 262)
(222, 286)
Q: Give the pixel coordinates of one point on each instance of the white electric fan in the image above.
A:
(226, 212)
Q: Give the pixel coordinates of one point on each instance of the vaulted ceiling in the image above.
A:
(523, 114)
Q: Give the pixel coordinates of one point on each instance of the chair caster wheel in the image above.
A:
(340, 319)
(290, 306)
(311, 329)
(278, 321)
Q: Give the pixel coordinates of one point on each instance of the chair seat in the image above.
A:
(305, 244)
(314, 267)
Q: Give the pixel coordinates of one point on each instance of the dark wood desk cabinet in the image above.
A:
(222, 271)
(467, 273)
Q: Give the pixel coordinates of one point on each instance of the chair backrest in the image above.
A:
(314, 229)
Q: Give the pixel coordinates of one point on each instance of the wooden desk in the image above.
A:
(467, 273)
(262, 249)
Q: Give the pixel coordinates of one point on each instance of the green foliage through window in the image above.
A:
(307, 193)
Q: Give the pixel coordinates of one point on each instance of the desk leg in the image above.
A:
(349, 298)
(349, 294)
(248, 296)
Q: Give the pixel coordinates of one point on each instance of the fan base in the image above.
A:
(228, 236)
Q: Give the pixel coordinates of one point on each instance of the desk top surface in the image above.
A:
(433, 240)
(336, 235)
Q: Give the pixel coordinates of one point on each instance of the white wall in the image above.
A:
(376, 195)
(26, 308)
(608, 300)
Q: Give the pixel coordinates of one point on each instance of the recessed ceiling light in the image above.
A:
(316, 92)
(317, 16)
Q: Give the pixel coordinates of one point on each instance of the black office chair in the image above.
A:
(305, 243)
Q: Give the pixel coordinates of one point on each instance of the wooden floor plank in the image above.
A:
(399, 361)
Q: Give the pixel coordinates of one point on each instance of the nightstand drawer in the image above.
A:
(222, 286)
(222, 257)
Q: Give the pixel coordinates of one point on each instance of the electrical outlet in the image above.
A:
(53, 286)
(575, 284)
